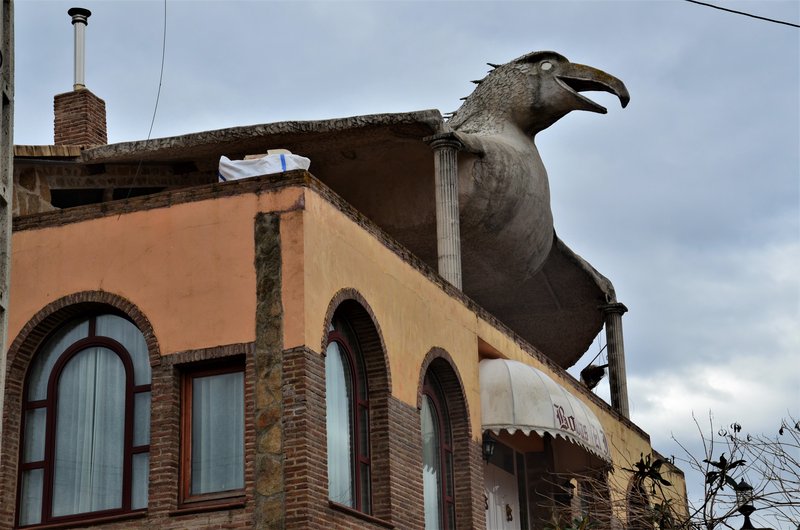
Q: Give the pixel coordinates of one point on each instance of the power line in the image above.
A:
(158, 98)
(161, 75)
(745, 14)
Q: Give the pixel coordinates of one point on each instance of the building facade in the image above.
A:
(278, 352)
(280, 286)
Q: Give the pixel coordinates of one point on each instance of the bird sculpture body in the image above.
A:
(504, 195)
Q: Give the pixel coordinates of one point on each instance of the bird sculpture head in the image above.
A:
(532, 92)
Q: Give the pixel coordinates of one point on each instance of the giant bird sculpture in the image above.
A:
(513, 265)
(503, 191)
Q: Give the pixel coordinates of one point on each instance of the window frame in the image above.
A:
(186, 498)
(50, 405)
(432, 389)
(637, 502)
(359, 404)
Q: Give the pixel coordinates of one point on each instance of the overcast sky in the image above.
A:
(688, 200)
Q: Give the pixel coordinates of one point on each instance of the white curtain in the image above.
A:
(217, 433)
(30, 506)
(431, 465)
(141, 467)
(127, 334)
(339, 397)
(39, 372)
(90, 425)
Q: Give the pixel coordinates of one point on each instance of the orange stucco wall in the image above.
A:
(189, 267)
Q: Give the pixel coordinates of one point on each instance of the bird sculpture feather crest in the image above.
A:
(504, 195)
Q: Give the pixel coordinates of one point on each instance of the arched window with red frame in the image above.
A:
(347, 419)
(437, 457)
(86, 424)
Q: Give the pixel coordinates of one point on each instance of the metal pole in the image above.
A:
(80, 19)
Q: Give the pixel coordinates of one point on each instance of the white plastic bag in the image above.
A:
(267, 165)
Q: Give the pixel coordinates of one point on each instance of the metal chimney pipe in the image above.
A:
(80, 19)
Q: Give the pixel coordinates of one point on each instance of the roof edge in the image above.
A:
(126, 151)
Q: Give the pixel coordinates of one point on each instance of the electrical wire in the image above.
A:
(158, 98)
(161, 74)
(598, 353)
(744, 14)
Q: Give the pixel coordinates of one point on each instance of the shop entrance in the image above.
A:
(505, 494)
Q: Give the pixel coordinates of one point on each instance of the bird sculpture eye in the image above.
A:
(546, 66)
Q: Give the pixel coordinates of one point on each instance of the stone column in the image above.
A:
(448, 235)
(616, 357)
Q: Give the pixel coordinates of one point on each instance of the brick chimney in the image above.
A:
(80, 116)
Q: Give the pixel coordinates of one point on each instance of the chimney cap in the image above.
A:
(79, 14)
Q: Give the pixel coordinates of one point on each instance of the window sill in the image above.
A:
(230, 503)
(360, 515)
(89, 521)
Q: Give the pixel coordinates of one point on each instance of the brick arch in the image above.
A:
(355, 308)
(351, 305)
(21, 353)
(637, 502)
(56, 313)
(599, 497)
(467, 461)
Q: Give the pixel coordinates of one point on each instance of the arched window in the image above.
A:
(639, 516)
(437, 458)
(86, 423)
(347, 419)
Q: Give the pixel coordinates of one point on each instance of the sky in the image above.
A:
(688, 199)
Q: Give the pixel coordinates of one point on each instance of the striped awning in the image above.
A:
(518, 397)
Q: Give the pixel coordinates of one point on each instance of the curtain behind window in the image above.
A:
(431, 465)
(217, 433)
(339, 396)
(90, 429)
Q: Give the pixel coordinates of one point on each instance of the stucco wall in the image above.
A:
(189, 268)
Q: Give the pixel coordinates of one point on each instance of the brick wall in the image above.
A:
(80, 118)
(395, 442)
(293, 493)
(163, 509)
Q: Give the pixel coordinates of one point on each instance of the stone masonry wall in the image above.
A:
(31, 192)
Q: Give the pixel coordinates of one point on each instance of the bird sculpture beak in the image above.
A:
(581, 78)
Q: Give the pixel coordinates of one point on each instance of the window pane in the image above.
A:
(217, 433)
(431, 465)
(90, 426)
(33, 450)
(127, 334)
(30, 506)
(343, 326)
(339, 397)
(141, 419)
(141, 468)
(47, 356)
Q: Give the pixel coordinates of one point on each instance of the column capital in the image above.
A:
(615, 308)
(443, 140)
